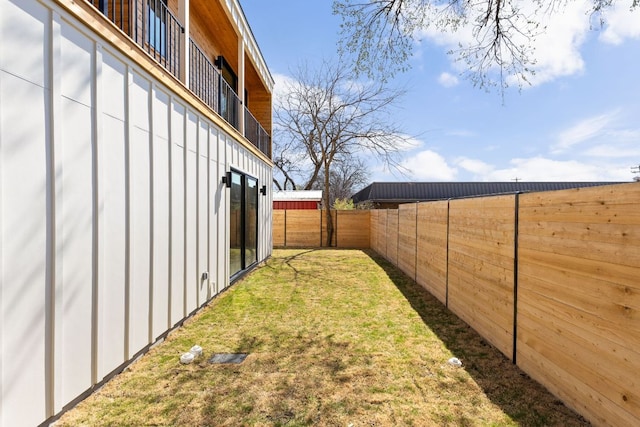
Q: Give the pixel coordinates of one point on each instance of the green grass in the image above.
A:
(335, 337)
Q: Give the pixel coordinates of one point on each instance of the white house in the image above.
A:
(134, 167)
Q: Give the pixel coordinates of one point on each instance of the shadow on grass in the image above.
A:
(289, 261)
(507, 386)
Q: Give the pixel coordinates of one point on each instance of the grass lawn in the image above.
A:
(335, 338)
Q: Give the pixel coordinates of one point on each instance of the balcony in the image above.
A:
(155, 28)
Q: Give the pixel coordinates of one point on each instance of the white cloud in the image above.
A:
(556, 50)
(543, 169)
(620, 23)
(407, 143)
(429, 165)
(282, 87)
(448, 80)
(479, 168)
(460, 132)
(584, 130)
(620, 151)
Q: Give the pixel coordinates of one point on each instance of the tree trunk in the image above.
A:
(327, 207)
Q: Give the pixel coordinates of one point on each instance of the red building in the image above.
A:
(297, 199)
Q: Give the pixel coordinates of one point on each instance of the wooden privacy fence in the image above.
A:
(551, 279)
(308, 228)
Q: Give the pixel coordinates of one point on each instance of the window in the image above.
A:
(157, 26)
(243, 233)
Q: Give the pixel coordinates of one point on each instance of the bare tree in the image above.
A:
(326, 119)
(347, 174)
(381, 33)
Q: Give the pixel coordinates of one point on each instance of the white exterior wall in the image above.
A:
(111, 208)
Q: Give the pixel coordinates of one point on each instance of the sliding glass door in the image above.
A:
(243, 236)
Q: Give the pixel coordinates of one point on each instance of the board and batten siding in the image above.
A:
(111, 208)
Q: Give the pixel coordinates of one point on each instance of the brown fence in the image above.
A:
(552, 279)
(308, 228)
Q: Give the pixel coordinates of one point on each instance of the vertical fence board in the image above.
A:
(392, 236)
(374, 229)
(279, 218)
(353, 229)
(481, 260)
(579, 298)
(407, 239)
(303, 228)
(431, 269)
(383, 241)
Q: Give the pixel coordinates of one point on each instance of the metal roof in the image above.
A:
(403, 192)
(313, 195)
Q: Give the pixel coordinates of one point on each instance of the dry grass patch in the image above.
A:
(335, 337)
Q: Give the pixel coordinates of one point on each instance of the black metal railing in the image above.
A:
(255, 133)
(116, 10)
(206, 81)
(155, 29)
(159, 35)
(229, 104)
(204, 78)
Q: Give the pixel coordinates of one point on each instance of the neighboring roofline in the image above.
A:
(369, 192)
(297, 195)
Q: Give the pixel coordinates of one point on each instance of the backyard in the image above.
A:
(332, 337)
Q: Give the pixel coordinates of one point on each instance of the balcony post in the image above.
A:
(183, 16)
(241, 94)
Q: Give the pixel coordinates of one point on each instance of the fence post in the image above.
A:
(446, 284)
(415, 261)
(515, 276)
(321, 215)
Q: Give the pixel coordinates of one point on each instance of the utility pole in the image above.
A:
(636, 170)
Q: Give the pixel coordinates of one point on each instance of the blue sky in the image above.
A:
(579, 121)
